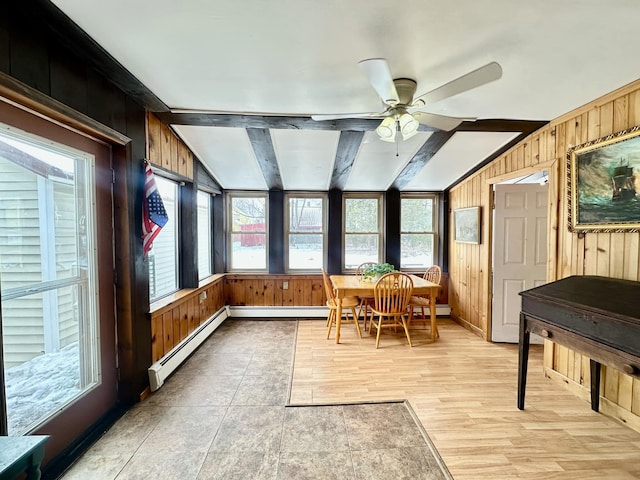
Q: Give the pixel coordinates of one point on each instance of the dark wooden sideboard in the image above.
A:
(595, 316)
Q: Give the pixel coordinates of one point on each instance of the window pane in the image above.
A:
(204, 235)
(306, 228)
(416, 215)
(417, 244)
(360, 248)
(305, 215)
(417, 250)
(361, 215)
(305, 251)
(248, 240)
(47, 271)
(163, 256)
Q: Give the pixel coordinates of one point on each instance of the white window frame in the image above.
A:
(381, 238)
(207, 250)
(289, 233)
(174, 217)
(433, 231)
(230, 232)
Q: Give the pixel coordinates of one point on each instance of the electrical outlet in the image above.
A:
(285, 285)
(203, 297)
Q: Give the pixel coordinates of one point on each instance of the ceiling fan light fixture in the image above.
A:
(408, 125)
(387, 129)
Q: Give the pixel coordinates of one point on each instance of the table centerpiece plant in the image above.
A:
(374, 271)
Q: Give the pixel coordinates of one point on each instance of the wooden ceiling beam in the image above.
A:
(346, 124)
(348, 147)
(262, 144)
(420, 159)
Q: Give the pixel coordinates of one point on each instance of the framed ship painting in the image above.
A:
(466, 225)
(604, 184)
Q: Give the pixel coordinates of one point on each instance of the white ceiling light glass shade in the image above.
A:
(408, 126)
(387, 129)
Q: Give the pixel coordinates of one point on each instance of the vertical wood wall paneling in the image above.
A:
(173, 323)
(166, 150)
(154, 140)
(609, 254)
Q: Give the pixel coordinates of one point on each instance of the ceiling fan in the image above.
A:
(403, 112)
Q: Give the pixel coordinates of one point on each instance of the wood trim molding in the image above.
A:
(521, 172)
(27, 98)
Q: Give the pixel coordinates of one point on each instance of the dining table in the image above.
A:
(352, 285)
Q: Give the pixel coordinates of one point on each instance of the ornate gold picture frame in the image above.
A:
(603, 178)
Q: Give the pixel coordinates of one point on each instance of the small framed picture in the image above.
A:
(467, 225)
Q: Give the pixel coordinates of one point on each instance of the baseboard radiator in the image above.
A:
(299, 312)
(160, 371)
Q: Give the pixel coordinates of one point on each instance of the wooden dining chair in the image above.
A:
(348, 304)
(433, 275)
(391, 296)
(365, 304)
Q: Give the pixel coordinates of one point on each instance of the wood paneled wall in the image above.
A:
(166, 150)
(608, 254)
(268, 290)
(174, 318)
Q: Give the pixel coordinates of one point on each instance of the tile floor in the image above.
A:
(225, 415)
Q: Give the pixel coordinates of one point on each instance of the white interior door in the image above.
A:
(519, 253)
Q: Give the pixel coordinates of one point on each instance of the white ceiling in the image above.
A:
(299, 57)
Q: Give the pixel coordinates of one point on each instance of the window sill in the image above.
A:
(167, 301)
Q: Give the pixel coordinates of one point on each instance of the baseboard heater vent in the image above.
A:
(160, 371)
(300, 312)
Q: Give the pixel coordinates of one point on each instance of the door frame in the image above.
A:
(553, 173)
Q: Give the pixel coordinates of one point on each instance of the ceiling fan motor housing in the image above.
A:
(406, 89)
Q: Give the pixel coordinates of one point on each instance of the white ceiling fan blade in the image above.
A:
(441, 122)
(338, 116)
(483, 75)
(379, 75)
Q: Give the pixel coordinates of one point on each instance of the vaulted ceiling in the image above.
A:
(239, 80)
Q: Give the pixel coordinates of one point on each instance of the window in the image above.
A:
(362, 230)
(163, 256)
(305, 232)
(47, 277)
(417, 231)
(204, 234)
(248, 230)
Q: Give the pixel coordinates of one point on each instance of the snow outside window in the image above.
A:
(47, 277)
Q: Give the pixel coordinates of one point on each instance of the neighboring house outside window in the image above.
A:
(306, 231)
(48, 270)
(417, 231)
(204, 234)
(163, 256)
(362, 232)
(247, 230)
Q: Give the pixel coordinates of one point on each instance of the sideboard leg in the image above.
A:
(523, 361)
(595, 385)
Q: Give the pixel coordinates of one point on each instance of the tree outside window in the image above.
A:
(362, 226)
(417, 232)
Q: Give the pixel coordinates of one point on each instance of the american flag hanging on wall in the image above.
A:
(154, 216)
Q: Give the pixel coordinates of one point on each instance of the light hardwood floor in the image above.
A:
(463, 389)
